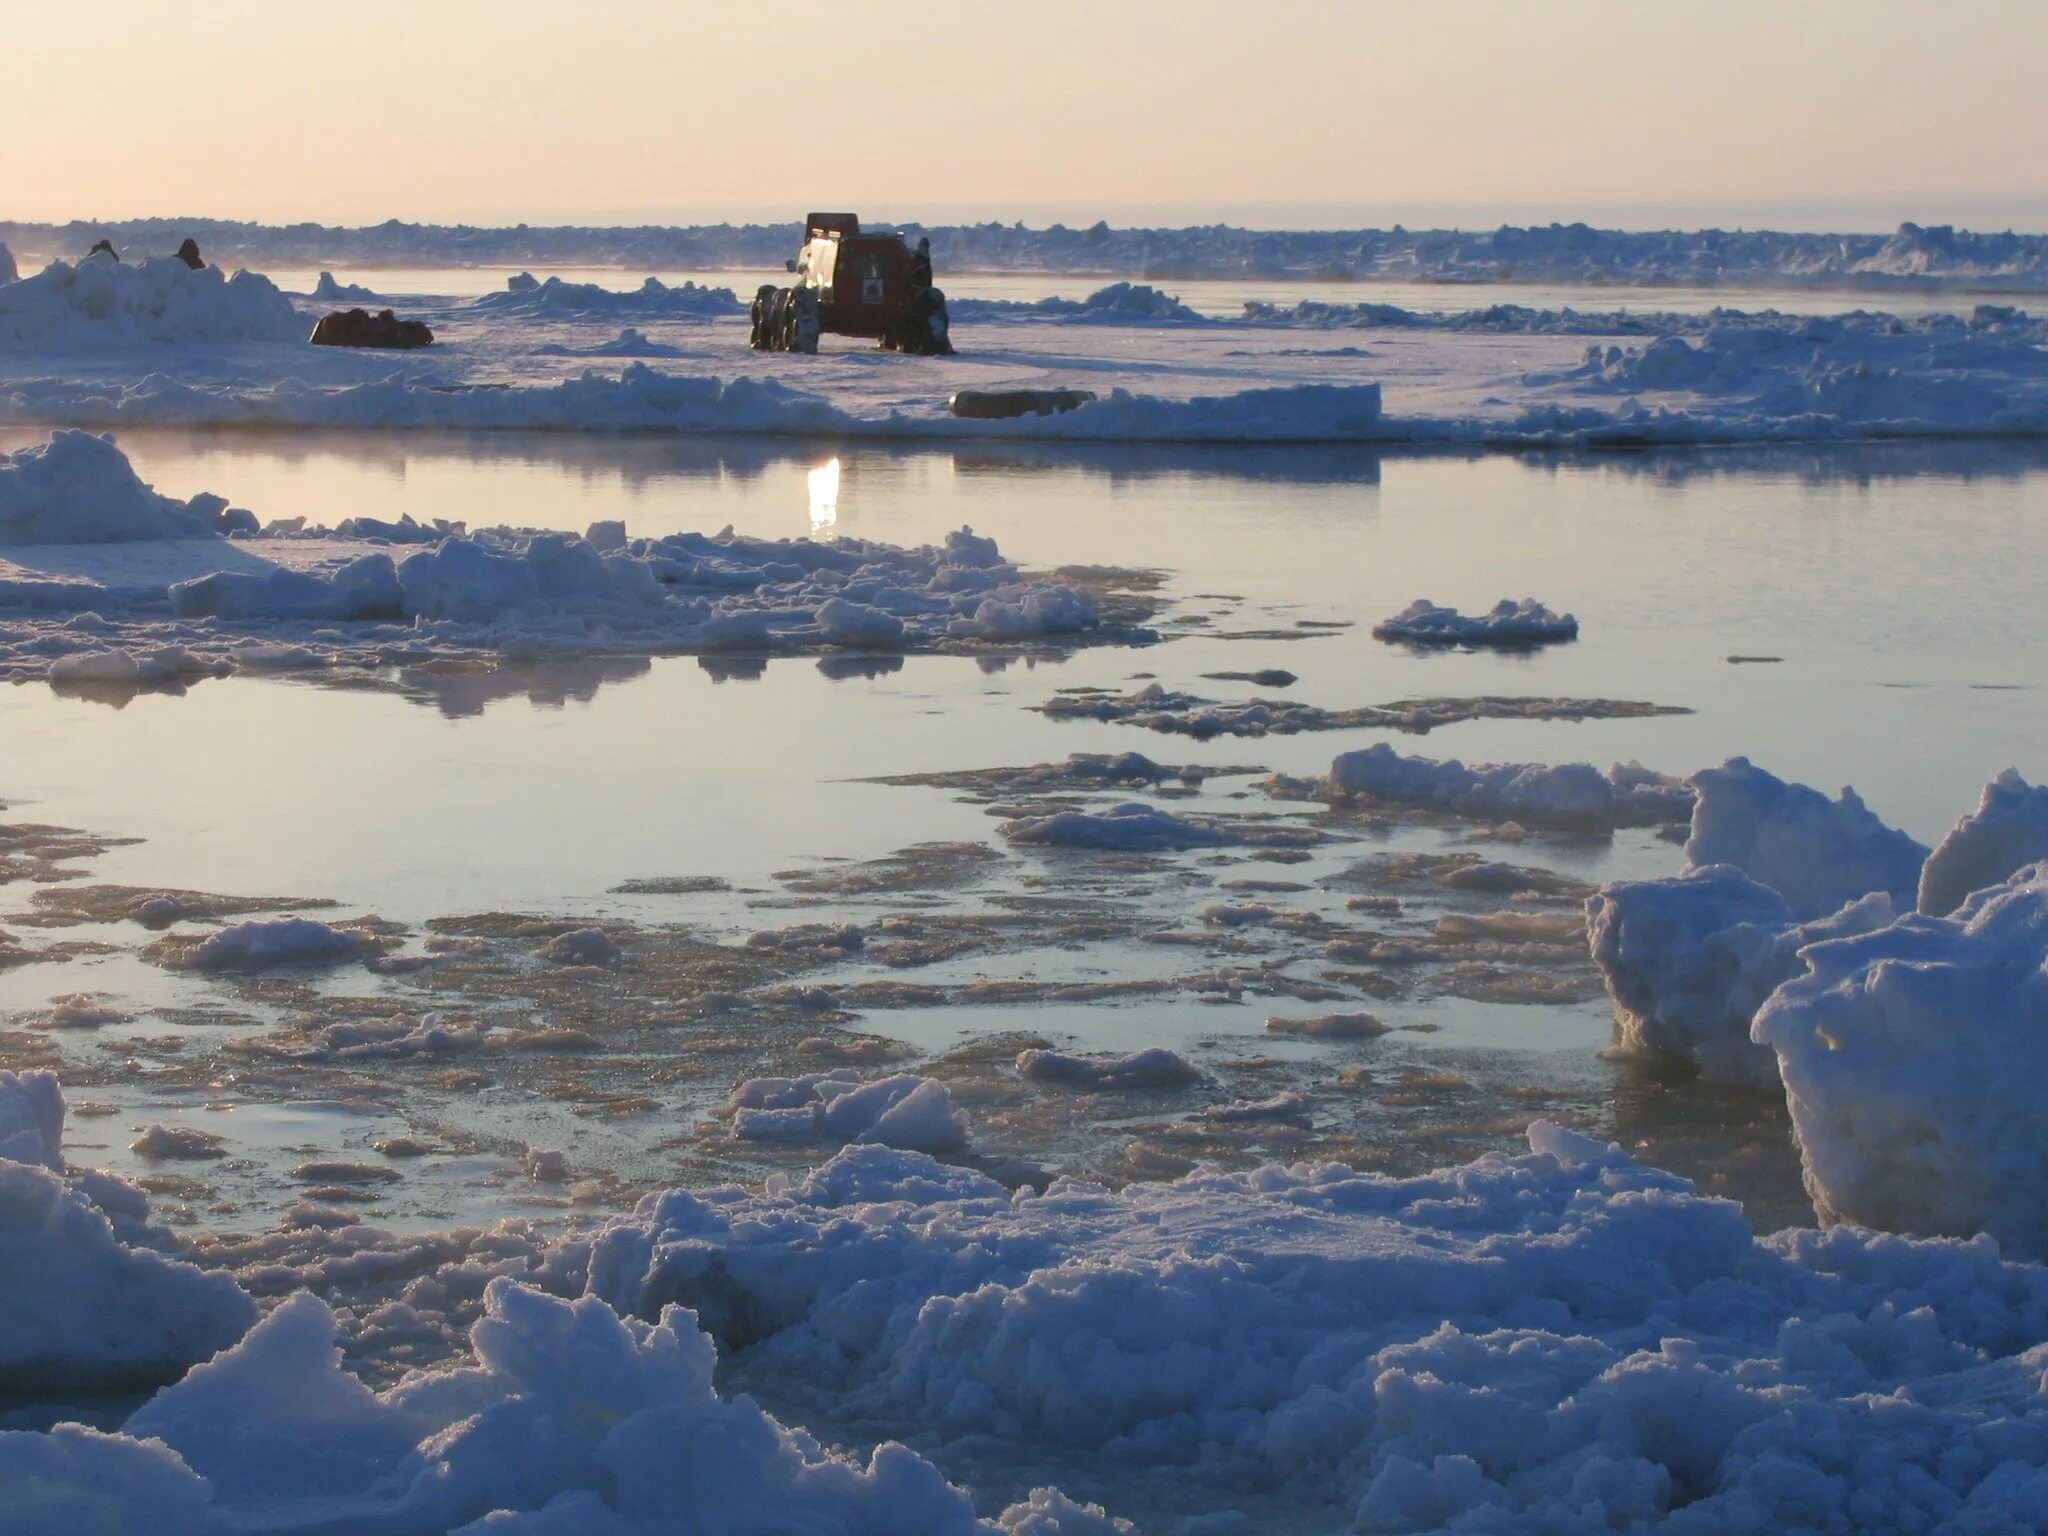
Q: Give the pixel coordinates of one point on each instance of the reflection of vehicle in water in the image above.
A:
(854, 283)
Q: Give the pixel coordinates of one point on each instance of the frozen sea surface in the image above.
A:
(1741, 586)
(770, 913)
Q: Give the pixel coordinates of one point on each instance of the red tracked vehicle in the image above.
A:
(851, 282)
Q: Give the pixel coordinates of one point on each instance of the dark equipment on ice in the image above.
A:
(188, 253)
(360, 328)
(997, 404)
(854, 283)
(104, 245)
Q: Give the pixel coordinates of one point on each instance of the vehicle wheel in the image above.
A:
(805, 322)
(936, 327)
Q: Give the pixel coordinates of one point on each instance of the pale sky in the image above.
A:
(1805, 113)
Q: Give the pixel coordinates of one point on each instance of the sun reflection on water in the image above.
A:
(824, 488)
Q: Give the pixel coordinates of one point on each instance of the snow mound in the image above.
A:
(277, 941)
(1909, 1057)
(554, 299)
(1577, 1341)
(81, 1309)
(1690, 960)
(1819, 854)
(1122, 827)
(914, 1114)
(2008, 830)
(79, 488)
(100, 302)
(1566, 794)
(1154, 1067)
(1508, 623)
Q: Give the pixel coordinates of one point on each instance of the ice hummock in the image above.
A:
(98, 301)
(1690, 960)
(1819, 854)
(89, 1301)
(79, 488)
(2007, 831)
(1508, 624)
(1909, 1057)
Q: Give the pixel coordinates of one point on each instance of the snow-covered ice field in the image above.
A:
(1044, 1000)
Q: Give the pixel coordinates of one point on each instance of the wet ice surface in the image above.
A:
(487, 817)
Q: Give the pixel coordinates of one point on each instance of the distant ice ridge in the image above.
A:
(1910, 1059)
(1567, 794)
(100, 301)
(1912, 256)
(1507, 624)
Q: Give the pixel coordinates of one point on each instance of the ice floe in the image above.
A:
(1508, 624)
(1565, 794)
(1156, 707)
(912, 1113)
(1154, 1067)
(265, 942)
(286, 600)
